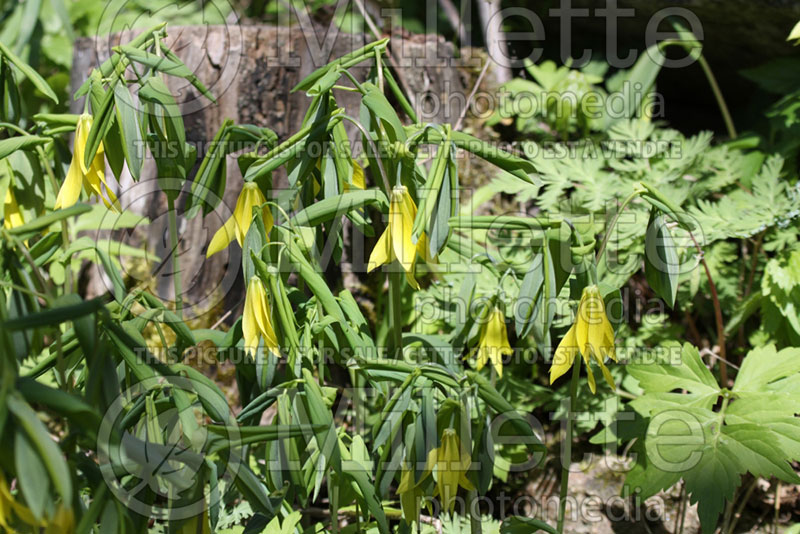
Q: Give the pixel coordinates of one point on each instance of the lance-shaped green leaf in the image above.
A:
(344, 62)
(54, 316)
(208, 186)
(500, 405)
(130, 129)
(432, 189)
(661, 259)
(28, 72)
(519, 167)
(44, 445)
(23, 142)
(101, 121)
(108, 66)
(332, 207)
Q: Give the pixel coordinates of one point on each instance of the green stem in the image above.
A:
(399, 95)
(567, 450)
(64, 228)
(723, 107)
(173, 243)
(395, 311)
(334, 509)
(474, 515)
(607, 236)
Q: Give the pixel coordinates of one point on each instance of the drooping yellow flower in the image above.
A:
(238, 224)
(12, 217)
(63, 522)
(410, 494)
(395, 243)
(592, 335)
(449, 463)
(494, 341)
(257, 319)
(93, 178)
(357, 181)
(10, 508)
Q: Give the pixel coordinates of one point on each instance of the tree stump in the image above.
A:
(250, 70)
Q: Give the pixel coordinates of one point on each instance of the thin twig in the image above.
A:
(221, 319)
(777, 507)
(451, 11)
(394, 63)
(472, 94)
(681, 510)
(714, 355)
(742, 503)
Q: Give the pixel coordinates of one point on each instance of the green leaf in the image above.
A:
(503, 408)
(375, 101)
(118, 285)
(367, 489)
(194, 80)
(23, 142)
(525, 525)
(31, 473)
(29, 73)
(638, 82)
(332, 207)
(764, 365)
(44, 445)
(755, 430)
(101, 122)
(40, 223)
(515, 165)
(345, 61)
(132, 144)
(661, 259)
(208, 186)
(684, 370)
(55, 316)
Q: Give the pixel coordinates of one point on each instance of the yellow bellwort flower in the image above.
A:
(93, 178)
(410, 494)
(257, 320)
(592, 335)
(451, 461)
(10, 508)
(63, 522)
(494, 341)
(395, 243)
(357, 181)
(12, 216)
(238, 224)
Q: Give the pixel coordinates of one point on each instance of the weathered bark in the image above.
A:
(250, 70)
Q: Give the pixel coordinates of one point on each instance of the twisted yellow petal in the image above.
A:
(395, 243)
(92, 179)
(239, 222)
(12, 216)
(410, 495)
(452, 462)
(493, 342)
(256, 320)
(592, 335)
(9, 508)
